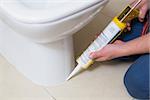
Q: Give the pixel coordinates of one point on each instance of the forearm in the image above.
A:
(137, 46)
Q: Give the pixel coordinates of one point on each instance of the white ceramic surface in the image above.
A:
(43, 52)
(40, 11)
(55, 30)
(44, 64)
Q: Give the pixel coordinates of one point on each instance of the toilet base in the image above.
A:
(44, 64)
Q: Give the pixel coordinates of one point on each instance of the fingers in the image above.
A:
(118, 42)
(128, 26)
(94, 55)
(97, 56)
(101, 59)
(143, 7)
(142, 14)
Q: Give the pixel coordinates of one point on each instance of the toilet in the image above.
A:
(36, 35)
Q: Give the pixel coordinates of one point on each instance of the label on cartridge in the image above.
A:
(111, 30)
(102, 40)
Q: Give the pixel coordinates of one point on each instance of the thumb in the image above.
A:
(118, 42)
(96, 54)
(142, 14)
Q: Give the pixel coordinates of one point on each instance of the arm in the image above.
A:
(118, 49)
(137, 46)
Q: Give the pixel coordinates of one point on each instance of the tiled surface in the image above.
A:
(102, 82)
(14, 86)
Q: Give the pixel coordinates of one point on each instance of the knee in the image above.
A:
(135, 86)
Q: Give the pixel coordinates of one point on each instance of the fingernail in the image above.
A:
(129, 28)
(91, 55)
(141, 19)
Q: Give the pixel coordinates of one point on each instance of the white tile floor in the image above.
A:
(14, 86)
(103, 81)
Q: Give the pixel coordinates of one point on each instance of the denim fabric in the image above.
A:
(136, 79)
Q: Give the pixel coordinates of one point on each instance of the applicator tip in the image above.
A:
(74, 72)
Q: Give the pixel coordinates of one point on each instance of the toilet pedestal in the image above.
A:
(51, 63)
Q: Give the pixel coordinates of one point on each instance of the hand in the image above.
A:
(143, 7)
(108, 52)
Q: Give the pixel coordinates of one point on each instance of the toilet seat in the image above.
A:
(43, 11)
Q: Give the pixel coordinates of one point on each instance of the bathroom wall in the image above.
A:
(85, 36)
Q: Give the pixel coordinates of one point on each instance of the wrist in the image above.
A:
(124, 50)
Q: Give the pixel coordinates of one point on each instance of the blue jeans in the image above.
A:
(136, 79)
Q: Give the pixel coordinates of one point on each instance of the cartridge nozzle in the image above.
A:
(77, 70)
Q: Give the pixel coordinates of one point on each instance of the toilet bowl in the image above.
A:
(36, 35)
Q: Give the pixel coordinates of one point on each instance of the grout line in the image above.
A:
(51, 97)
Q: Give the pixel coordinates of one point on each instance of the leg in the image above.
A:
(136, 78)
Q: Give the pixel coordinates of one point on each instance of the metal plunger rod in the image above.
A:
(139, 1)
(79, 68)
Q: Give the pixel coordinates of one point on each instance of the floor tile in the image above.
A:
(103, 81)
(14, 86)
